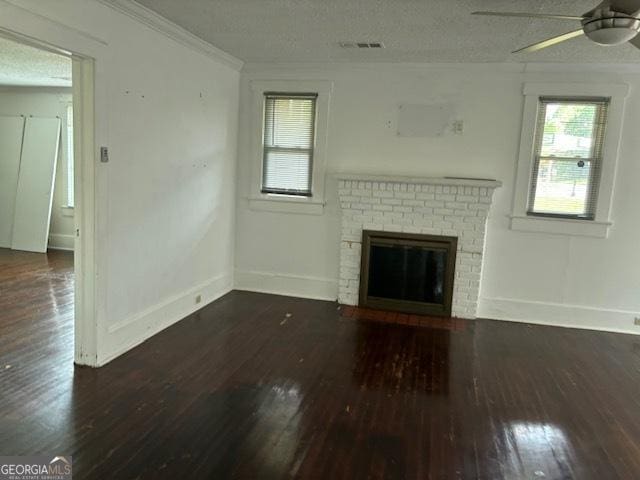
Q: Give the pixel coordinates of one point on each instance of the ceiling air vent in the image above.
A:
(361, 45)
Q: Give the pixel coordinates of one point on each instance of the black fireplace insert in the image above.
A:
(407, 272)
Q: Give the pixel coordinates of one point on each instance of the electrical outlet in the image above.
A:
(458, 127)
(636, 321)
(198, 298)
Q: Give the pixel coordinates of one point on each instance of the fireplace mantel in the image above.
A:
(448, 181)
(457, 207)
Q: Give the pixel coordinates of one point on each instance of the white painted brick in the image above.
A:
(457, 221)
(456, 205)
(382, 208)
(442, 211)
(402, 208)
(425, 196)
(442, 225)
(480, 207)
(431, 231)
(403, 221)
(372, 226)
(446, 198)
(413, 203)
(414, 216)
(365, 217)
(424, 211)
(405, 195)
(382, 194)
(360, 206)
(351, 236)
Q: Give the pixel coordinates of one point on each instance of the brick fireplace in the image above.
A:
(433, 206)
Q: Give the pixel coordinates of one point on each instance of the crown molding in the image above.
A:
(166, 27)
(283, 68)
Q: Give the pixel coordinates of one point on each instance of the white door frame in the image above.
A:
(85, 325)
(85, 317)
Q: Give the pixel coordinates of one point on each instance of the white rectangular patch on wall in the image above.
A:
(424, 120)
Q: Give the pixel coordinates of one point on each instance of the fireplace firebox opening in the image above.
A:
(407, 272)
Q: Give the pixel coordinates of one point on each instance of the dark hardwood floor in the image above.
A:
(241, 390)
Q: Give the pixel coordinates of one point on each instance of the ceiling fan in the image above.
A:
(612, 22)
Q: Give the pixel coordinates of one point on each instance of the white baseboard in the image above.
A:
(126, 334)
(559, 315)
(302, 286)
(61, 241)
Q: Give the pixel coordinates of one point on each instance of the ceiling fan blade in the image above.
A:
(630, 7)
(527, 15)
(550, 41)
(635, 41)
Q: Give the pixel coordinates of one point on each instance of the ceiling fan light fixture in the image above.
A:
(612, 30)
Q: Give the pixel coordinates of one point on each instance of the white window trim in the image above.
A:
(314, 204)
(70, 166)
(600, 225)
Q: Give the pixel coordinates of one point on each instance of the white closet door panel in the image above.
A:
(11, 129)
(35, 184)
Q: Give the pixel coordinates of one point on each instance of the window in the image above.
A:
(70, 173)
(567, 157)
(288, 143)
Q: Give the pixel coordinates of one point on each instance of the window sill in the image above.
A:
(286, 204)
(67, 211)
(560, 226)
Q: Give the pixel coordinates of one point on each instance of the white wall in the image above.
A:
(165, 201)
(47, 102)
(532, 277)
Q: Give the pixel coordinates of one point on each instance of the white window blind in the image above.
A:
(567, 157)
(288, 143)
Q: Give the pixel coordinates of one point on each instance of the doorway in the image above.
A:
(46, 123)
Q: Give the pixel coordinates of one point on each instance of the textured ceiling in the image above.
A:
(27, 66)
(412, 30)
